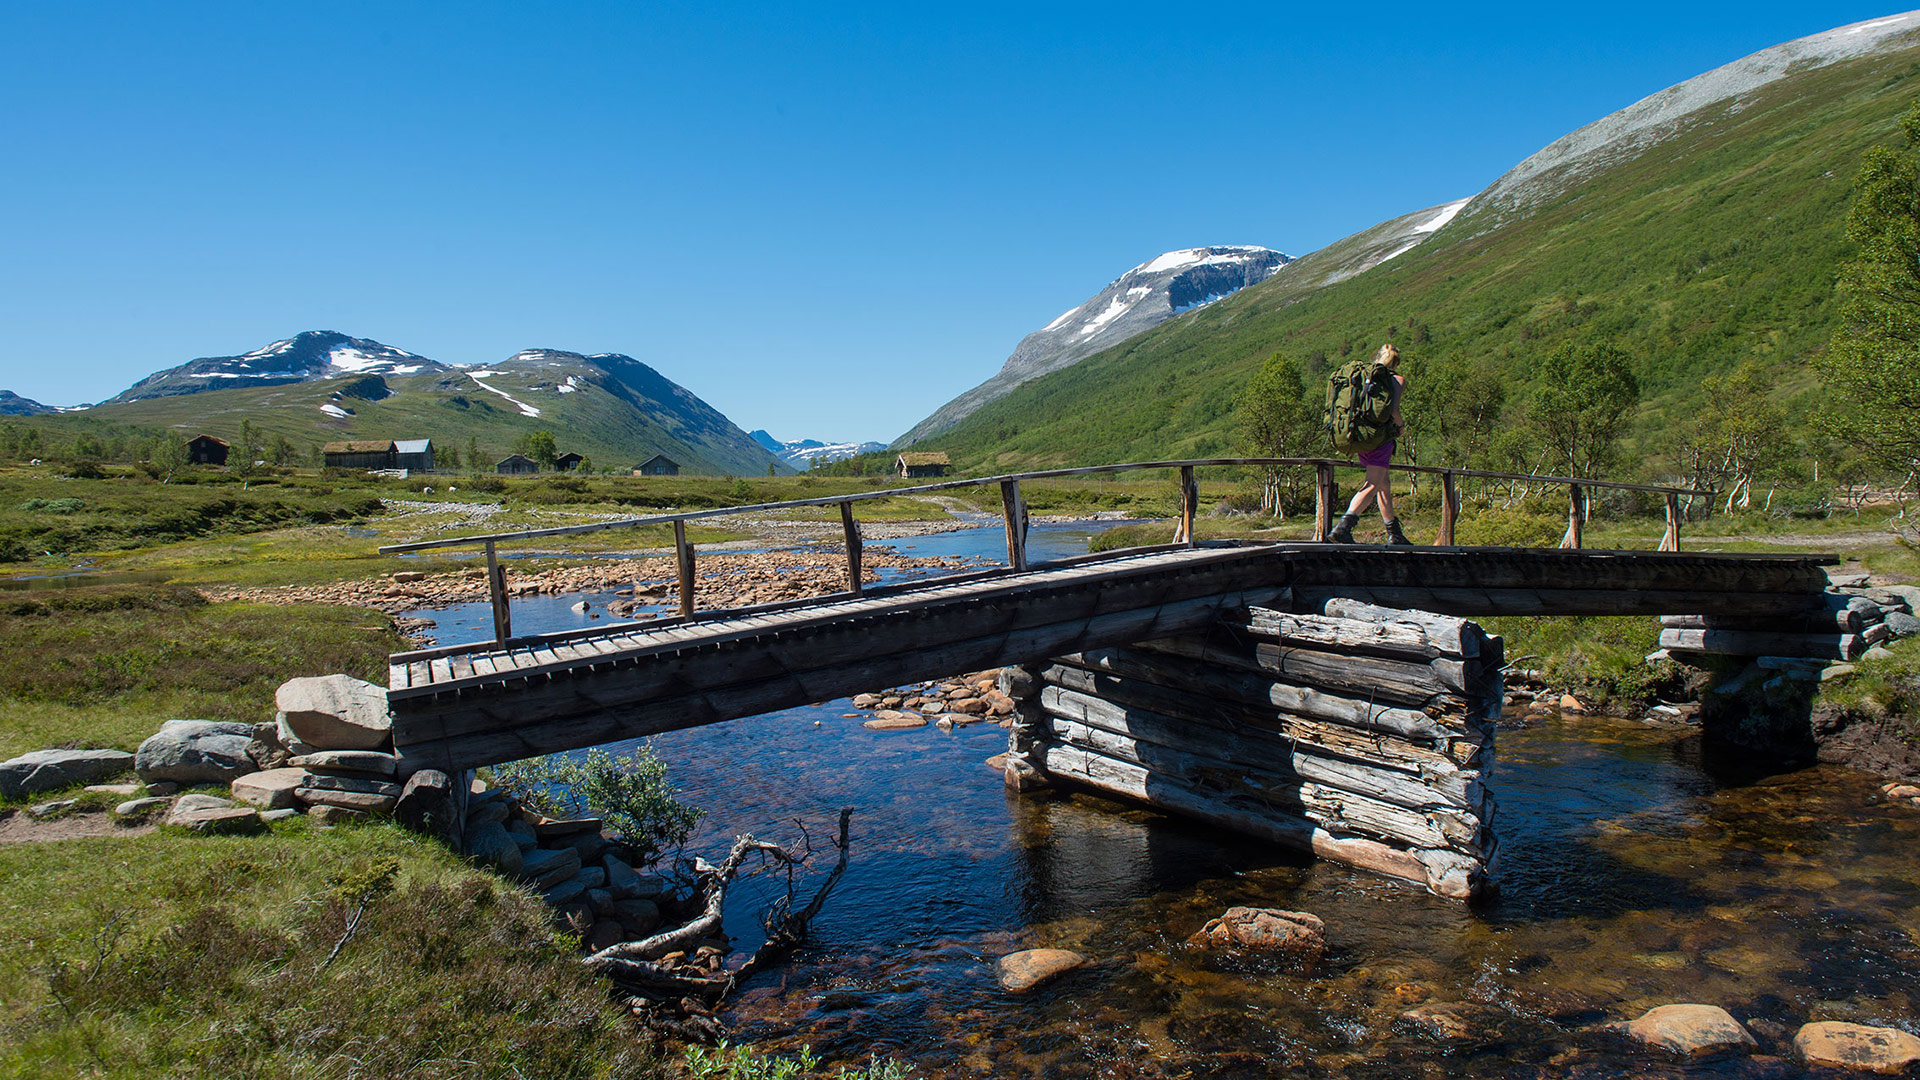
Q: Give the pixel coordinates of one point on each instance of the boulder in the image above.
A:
(50, 770)
(601, 899)
(1839, 1045)
(126, 790)
(590, 845)
(281, 814)
(138, 807)
(426, 803)
(57, 808)
(270, 790)
(566, 892)
(289, 742)
(346, 800)
(217, 820)
(640, 917)
(197, 801)
(196, 752)
(543, 868)
(547, 828)
(1691, 1030)
(889, 720)
(1901, 624)
(335, 712)
(1296, 937)
(595, 877)
(326, 782)
(488, 843)
(606, 933)
(622, 882)
(335, 815)
(491, 810)
(371, 762)
(1022, 971)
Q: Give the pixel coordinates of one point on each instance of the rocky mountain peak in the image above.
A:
(304, 357)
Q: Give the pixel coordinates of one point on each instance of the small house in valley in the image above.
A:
(919, 464)
(657, 465)
(413, 455)
(359, 454)
(568, 461)
(206, 450)
(516, 465)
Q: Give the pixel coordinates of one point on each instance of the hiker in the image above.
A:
(1379, 483)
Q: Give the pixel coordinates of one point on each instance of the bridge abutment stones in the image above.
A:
(1361, 734)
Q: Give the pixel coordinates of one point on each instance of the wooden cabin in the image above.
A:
(568, 461)
(922, 464)
(516, 465)
(657, 465)
(206, 450)
(413, 455)
(359, 454)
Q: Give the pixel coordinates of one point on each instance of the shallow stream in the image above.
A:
(1633, 873)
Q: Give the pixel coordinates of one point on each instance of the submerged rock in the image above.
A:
(1450, 1021)
(1692, 1030)
(1840, 1045)
(1297, 938)
(1022, 971)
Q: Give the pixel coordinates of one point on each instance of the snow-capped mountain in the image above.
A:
(305, 357)
(1135, 302)
(12, 404)
(1621, 136)
(804, 454)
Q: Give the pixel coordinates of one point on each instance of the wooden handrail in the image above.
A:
(1015, 510)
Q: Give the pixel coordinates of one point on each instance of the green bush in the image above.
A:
(725, 1062)
(628, 793)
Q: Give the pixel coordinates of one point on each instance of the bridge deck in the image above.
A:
(467, 705)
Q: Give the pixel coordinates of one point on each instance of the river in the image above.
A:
(1633, 873)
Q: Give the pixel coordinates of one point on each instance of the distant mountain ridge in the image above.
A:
(12, 404)
(1133, 303)
(806, 453)
(322, 386)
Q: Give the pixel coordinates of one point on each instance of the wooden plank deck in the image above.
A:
(460, 706)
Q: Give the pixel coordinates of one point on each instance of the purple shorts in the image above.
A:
(1379, 457)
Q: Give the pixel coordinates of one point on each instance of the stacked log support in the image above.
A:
(1841, 627)
(1359, 733)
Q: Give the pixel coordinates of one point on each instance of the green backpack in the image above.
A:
(1360, 406)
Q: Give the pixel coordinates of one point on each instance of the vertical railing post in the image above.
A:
(1015, 509)
(1323, 496)
(1671, 541)
(851, 529)
(1576, 516)
(1449, 509)
(683, 555)
(497, 592)
(1189, 507)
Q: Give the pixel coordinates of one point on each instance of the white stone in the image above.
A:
(335, 712)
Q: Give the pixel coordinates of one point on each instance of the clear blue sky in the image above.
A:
(824, 219)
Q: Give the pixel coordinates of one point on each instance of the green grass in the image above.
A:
(1718, 246)
(111, 664)
(165, 955)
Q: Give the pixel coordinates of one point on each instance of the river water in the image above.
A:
(1634, 873)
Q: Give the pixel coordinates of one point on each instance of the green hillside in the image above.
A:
(1716, 246)
(614, 410)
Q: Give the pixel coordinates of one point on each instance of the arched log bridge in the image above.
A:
(1289, 690)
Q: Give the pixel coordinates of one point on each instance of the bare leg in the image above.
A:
(1364, 497)
(1380, 482)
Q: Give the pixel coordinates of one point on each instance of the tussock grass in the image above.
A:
(208, 956)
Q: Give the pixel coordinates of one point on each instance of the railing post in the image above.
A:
(497, 592)
(1449, 510)
(683, 554)
(1671, 541)
(1015, 509)
(851, 529)
(1576, 516)
(1323, 495)
(1189, 507)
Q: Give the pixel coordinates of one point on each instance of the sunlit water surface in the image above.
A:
(1633, 873)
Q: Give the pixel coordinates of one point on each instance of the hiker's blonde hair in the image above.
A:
(1389, 355)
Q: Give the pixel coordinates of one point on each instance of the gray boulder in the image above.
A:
(335, 712)
(213, 816)
(1901, 624)
(622, 882)
(50, 770)
(270, 789)
(139, 807)
(371, 762)
(544, 868)
(489, 844)
(196, 752)
(426, 803)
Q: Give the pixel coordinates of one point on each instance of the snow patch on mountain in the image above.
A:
(305, 357)
(477, 376)
(1159, 289)
(1626, 134)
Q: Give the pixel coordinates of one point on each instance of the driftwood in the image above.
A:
(787, 928)
(1425, 638)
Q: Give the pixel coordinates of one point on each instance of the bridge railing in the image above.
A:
(1014, 512)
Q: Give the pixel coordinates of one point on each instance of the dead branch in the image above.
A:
(682, 938)
(787, 931)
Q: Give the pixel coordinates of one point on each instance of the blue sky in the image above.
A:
(824, 219)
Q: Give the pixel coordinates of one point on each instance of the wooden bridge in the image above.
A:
(462, 706)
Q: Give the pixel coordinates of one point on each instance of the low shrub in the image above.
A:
(628, 793)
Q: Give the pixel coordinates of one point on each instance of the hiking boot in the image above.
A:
(1343, 530)
(1395, 536)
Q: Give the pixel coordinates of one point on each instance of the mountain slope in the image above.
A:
(12, 404)
(1695, 240)
(1135, 302)
(612, 408)
(305, 357)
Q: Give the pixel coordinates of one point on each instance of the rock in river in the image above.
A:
(1840, 1045)
(1295, 937)
(1693, 1030)
(1022, 971)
